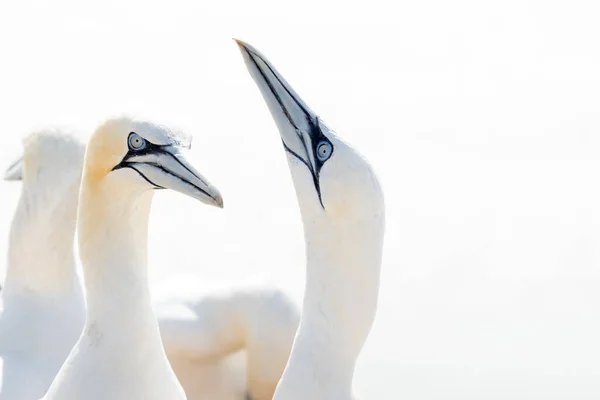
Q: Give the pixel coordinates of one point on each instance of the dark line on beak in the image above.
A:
(166, 171)
(312, 119)
(129, 165)
(14, 164)
(19, 160)
(268, 82)
(183, 165)
(308, 114)
(160, 149)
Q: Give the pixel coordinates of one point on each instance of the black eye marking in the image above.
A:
(317, 139)
(147, 148)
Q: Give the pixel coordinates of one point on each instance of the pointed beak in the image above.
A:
(298, 125)
(167, 168)
(15, 171)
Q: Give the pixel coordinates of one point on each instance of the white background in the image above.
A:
(482, 119)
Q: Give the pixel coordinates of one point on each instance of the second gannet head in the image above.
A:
(142, 155)
(50, 167)
(43, 227)
(333, 181)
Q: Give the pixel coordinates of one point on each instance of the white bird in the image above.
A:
(221, 344)
(43, 307)
(343, 214)
(254, 323)
(119, 355)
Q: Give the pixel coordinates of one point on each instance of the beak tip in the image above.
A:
(219, 201)
(246, 48)
(9, 177)
(14, 172)
(239, 42)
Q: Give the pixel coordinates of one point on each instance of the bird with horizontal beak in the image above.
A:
(120, 354)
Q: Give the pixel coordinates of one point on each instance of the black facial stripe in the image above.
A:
(140, 174)
(150, 148)
(314, 176)
(292, 152)
(317, 136)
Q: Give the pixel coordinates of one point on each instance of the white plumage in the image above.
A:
(43, 310)
(221, 343)
(251, 326)
(343, 213)
(120, 353)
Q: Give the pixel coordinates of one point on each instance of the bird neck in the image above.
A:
(112, 232)
(40, 251)
(340, 301)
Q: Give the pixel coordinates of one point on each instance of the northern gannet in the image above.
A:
(217, 341)
(44, 308)
(119, 355)
(251, 324)
(343, 214)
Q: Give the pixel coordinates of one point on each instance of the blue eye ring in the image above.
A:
(136, 142)
(324, 150)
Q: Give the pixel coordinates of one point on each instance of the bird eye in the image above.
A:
(324, 150)
(136, 142)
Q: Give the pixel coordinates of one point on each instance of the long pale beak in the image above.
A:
(165, 167)
(15, 171)
(298, 125)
